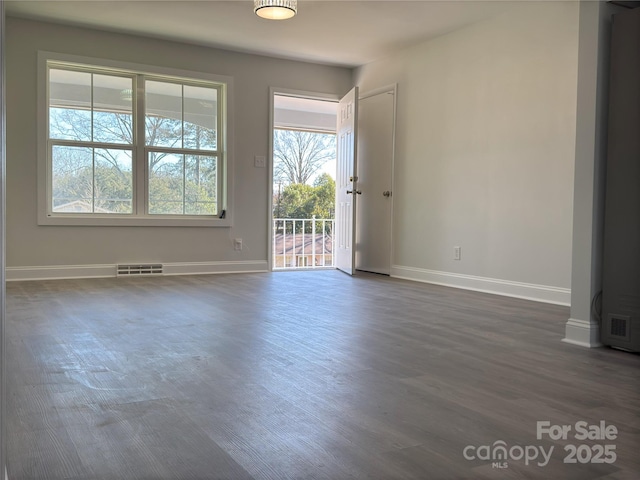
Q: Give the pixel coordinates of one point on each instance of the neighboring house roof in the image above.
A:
(285, 244)
(79, 206)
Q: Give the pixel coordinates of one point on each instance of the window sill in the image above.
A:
(131, 221)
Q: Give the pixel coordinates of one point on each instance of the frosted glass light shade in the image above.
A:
(275, 9)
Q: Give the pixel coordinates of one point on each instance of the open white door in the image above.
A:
(346, 182)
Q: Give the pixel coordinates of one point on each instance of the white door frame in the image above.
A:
(273, 91)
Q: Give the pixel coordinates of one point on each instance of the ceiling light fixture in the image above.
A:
(275, 9)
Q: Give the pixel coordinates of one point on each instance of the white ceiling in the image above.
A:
(335, 32)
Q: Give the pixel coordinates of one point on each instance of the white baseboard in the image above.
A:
(582, 333)
(206, 268)
(527, 291)
(60, 272)
(55, 272)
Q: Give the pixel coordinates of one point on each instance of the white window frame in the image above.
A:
(140, 178)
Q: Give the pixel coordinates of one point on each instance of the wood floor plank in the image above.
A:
(301, 375)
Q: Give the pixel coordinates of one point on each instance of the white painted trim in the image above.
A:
(527, 291)
(54, 272)
(59, 272)
(377, 91)
(583, 333)
(206, 268)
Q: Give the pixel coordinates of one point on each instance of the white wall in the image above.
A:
(485, 149)
(30, 245)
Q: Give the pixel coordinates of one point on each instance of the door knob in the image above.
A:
(386, 193)
(349, 192)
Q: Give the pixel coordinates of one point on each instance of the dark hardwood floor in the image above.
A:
(302, 375)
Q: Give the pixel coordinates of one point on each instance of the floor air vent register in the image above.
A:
(139, 270)
(619, 326)
(621, 331)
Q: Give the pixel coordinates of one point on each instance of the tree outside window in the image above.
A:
(301, 188)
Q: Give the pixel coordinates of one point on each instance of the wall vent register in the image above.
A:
(139, 270)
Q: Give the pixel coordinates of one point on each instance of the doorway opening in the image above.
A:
(304, 172)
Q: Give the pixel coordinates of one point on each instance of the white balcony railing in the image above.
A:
(302, 243)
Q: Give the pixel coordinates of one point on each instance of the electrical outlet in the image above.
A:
(260, 161)
(456, 253)
(237, 244)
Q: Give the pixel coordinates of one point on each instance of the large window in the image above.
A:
(182, 148)
(139, 146)
(90, 142)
